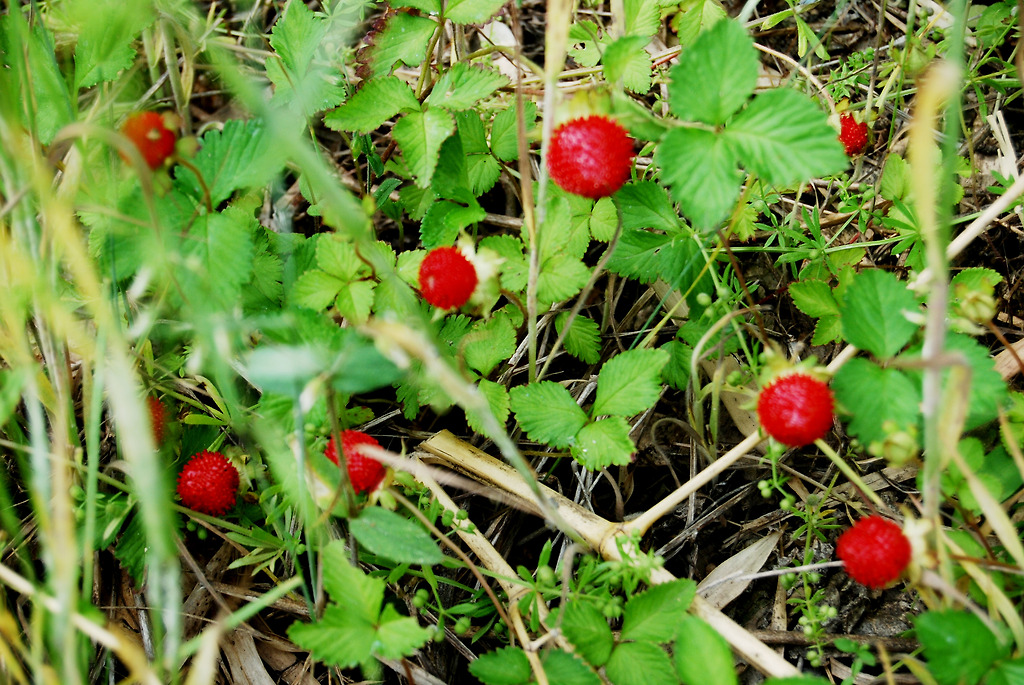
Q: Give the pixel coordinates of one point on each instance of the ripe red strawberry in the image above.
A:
(157, 419)
(447, 278)
(874, 550)
(365, 472)
(853, 134)
(208, 483)
(796, 409)
(590, 156)
(149, 132)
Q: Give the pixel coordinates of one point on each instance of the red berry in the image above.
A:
(447, 278)
(150, 134)
(366, 473)
(853, 134)
(875, 551)
(796, 409)
(590, 156)
(157, 419)
(208, 483)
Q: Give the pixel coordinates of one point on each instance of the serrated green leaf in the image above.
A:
(603, 443)
(630, 382)
(420, 136)
(472, 11)
(489, 343)
(339, 638)
(304, 79)
(857, 387)
(645, 256)
(642, 17)
(828, 329)
(482, 169)
(703, 172)
(588, 631)
(464, 85)
(405, 39)
(548, 413)
(977, 279)
(583, 340)
(355, 300)
(677, 371)
(814, 298)
(895, 181)
(566, 669)
(873, 313)
(505, 666)
(28, 65)
(106, 38)
(959, 647)
(241, 155)
(715, 75)
(604, 219)
(451, 180)
(497, 399)
(504, 136)
(640, 663)
(428, 6)
(316, 289)
(561, 277)
(564, 231)
(399, 636)
(514, 268)
(338, 257)
(626, 59)
(394, 537)
(349, 588)
(217, 259)
(377, 101)
(702, 655)
(695, 17)
(652, 615)
(783, 137)
(645, 204)
(443, 221)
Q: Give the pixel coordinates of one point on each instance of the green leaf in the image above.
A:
(587, 629)
(504, 136)
(355, 300)
(673, 257)
(677, 371)
(604, 219)
(583, 340)
(349, 588)
(642, 17)
(630, 382)
(428, 6)
(242, 155)
(959, 647)
(702, 171)
(1006, 672)
(783, 137)
(561, 277)
(702, 655)
(216, 259)
(857, 387)
(482, 169)
(514, 268)
(28, 66)
(873, 313)
(451, 180)
(497, 399)
(420, 136)
(627, 60)
(505, 666)
(443, 221)
(640, 663)
(489, 343)
(303, 77)
(464, 85)
(814, 298)
(339, 638)
(106, 40)
(472, 11)
(338, 257)
(548, 413)
(715, 75)
(377, 101)
(405, 39)
(652, 615)
(695, 17)
(399, 636)
(603, 443)
(896, 178)
(828, 329)
(316, 289)
(797, 680)
(645, 204)
(565, 669)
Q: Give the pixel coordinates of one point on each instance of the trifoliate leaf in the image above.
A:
(339, 638)
(783, 137)
(703, 173)
(583, 340)
(603, 443)
(316, 289)
(394, 537)
(548, 413)
(379, 100)
(630, 382)
(715, 75)
(587, 629)
(464, 85)
(420, 136)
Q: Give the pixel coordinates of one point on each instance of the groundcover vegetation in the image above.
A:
(448, 341)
